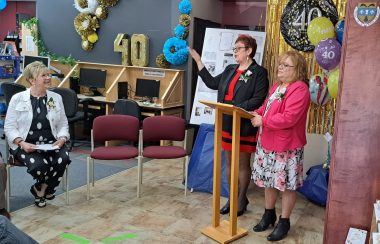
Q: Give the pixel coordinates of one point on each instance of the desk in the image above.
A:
(147, 109)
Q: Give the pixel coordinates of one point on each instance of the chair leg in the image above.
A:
(139, 176)
(88, 178)
(93, 172)
(8, 187)
(186, 169)
(67, 184)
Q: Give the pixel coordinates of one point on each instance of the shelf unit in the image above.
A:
(10, 70)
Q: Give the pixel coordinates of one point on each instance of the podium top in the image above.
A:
(227, 108)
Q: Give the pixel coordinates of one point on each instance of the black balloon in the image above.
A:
(296, 16)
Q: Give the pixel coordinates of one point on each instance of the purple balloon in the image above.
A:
(327, 53)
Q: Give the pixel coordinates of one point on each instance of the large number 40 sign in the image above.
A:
(134, 50)
(296, 17)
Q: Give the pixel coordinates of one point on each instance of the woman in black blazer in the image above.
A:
(244, 85)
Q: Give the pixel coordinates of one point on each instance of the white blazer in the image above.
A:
(20, 114)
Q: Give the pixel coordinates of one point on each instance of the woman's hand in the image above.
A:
(194, 54)
(27, 147)
(60, 142)
(257, 120)
(197, 58)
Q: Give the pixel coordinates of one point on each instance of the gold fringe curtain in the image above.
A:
(321, 118)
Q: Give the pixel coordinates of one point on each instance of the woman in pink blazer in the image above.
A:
(278, 164)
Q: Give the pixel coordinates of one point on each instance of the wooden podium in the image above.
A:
(225, 231)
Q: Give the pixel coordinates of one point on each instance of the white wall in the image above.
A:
(315, 151)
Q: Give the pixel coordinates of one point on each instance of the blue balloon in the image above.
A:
(3, 4)
(339, 28)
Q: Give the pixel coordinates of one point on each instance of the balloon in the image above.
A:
(3, 4)
(333, 83)
(296, 16)
(318, 89)
(320, 28)
(327, 53)
(339, 28)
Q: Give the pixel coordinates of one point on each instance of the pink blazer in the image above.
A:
(284, 124)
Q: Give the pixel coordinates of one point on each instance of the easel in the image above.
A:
(226, 231)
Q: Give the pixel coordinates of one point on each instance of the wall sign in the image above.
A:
(296, 17)
(134, 50)
(366, 13)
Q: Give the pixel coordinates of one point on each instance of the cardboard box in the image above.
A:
(376, 238)
(356, 236)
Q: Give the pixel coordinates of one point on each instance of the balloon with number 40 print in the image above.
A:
(318, 89)
(327, 53)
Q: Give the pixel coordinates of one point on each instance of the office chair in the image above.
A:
(127, 107)
(9, 89)
(155, 129)
(70, 102)
(113, 127)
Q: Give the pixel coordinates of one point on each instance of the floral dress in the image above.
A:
(280, 170)
(45, 166)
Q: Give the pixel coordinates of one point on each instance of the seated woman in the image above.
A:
(36, 117)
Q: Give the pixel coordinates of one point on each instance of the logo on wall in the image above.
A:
(366, 14)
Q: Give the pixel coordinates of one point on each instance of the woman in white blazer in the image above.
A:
(36, 117)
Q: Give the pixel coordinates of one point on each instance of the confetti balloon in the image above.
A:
(3, 4)
(298, 14)
(327, 53)
(318, 89)
(339, 29)
(333, 83)
(320, 28)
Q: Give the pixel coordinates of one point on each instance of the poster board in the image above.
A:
(216, 55)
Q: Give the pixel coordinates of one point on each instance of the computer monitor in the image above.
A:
(147, 88)
(30, 59)
(92, 78)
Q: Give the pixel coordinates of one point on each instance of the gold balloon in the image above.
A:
(86, 45)
(101, 12)
(108, 3)
(184, 19)
(161, 61)
(92, 37)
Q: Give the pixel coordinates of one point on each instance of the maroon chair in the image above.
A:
(159, 128)
(108, 128)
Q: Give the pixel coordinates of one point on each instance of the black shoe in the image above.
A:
(38, 201)
(226, 208)
(49, 194)
(5, 213)
(242, 207)
(269, 218)
(280, 231)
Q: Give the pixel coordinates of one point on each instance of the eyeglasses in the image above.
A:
(236, 49)
(285, 66)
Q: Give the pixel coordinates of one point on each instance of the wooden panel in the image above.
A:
(355, 169)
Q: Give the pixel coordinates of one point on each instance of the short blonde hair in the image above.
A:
(34, 69)
(300, 66)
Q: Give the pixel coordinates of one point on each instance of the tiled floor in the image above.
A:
(161, 215)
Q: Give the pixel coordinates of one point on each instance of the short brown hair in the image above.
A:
(33, 69)
(249, 42)
(300, 66)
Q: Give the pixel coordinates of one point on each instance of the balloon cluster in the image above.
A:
(327, 40)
